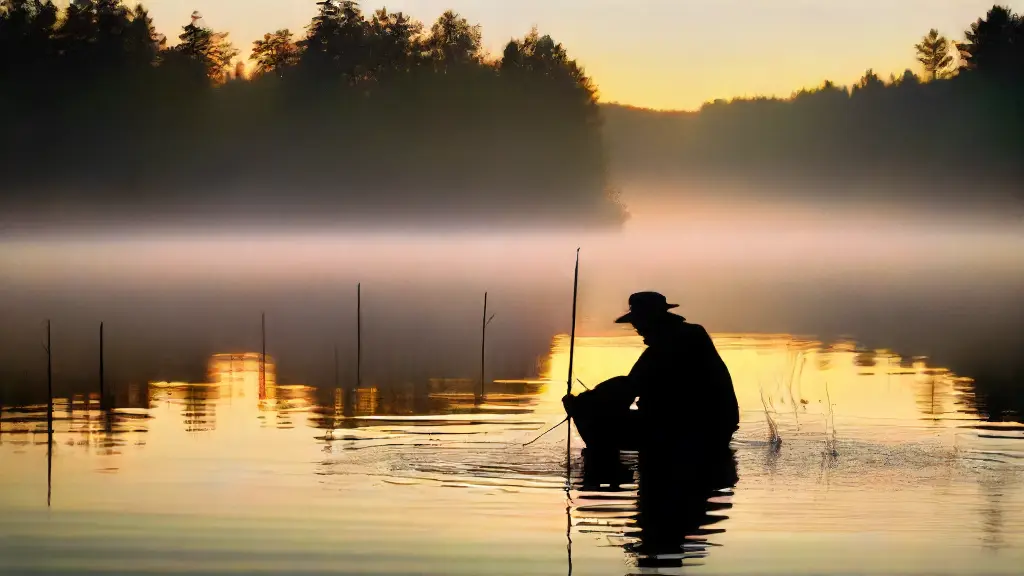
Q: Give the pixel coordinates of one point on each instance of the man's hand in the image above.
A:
(567, 402)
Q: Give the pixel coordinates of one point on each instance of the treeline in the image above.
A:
(359, 114)
(959, 126)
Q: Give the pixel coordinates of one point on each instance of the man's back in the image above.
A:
(683, 384)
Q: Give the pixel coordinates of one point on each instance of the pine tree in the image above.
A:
(935, 54)
(210, 49)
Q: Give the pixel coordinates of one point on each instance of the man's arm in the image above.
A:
(620, 391)
(616, 393)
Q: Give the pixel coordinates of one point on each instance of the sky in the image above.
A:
(667, 54)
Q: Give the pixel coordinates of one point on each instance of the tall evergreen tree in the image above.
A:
(210, 50)
(396, 41)
(995, 44)
(142, 42)
(76, 37)
(335, 43)
(935, 53)
(275, 53)
(870, 83)
(27, 50)
(454, 41)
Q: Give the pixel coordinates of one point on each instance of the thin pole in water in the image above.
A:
(49, 467)
(572, 334)
(337, 391)
(572, 345)
(568, 382)
(49, 380)
(359, 335)
(103, 395)
(49, 415)
(263, 356)
(568, 429)
(483, 347)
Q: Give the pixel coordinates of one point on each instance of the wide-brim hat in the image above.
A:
(645, 304)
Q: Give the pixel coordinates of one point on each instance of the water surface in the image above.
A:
(194, 464)
(884, 467)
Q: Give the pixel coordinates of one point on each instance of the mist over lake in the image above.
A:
(923, 284)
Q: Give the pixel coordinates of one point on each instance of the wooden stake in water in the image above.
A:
(49, 415)
(49, 467)
(483, 346)
(568, 429)
(263, 357)
(49, 380)
(103, 395)
(337, 395)
(359, 335)
(572, 334)
(568, 382)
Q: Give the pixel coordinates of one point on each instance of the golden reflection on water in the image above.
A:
(802, 378)
(890, 430)
(412, 469)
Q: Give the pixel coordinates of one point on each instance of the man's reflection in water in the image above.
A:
(680, 500)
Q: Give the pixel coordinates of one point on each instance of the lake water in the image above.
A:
(884, 467)
(882, 349)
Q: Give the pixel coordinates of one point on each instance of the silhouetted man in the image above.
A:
(686, 396)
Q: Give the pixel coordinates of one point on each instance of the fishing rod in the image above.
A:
(564, 420)
(572, 335)
(568, 418)
(572, 350)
